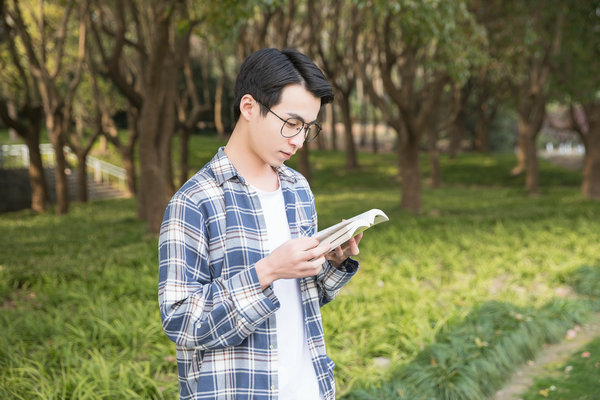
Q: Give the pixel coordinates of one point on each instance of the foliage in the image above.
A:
(577, 76)
(480, 275)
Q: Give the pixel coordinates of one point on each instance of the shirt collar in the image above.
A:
(224, 170)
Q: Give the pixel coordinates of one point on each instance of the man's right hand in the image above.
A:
(296, 258)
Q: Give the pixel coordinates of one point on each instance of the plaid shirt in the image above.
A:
(211, 304)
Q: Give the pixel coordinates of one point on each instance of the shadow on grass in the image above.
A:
(77, 246)
(474, 357)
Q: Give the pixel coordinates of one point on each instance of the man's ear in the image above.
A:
(247, 106)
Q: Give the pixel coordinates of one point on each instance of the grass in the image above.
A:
(446, 302)
(577, 378)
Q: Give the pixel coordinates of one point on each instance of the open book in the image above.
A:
(339, 234)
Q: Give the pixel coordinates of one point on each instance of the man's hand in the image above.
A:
(296, 258)
(338, 255)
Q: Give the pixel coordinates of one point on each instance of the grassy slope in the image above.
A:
(482, 274)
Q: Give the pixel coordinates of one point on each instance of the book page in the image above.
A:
(340, 233)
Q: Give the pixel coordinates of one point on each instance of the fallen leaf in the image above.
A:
(586, 354)
(544, 392)
(569, 368)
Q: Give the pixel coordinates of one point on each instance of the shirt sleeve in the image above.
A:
(330, 280)
(197, 309)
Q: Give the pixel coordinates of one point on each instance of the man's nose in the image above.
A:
(298, 140)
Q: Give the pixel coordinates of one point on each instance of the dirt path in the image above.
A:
(569, 161)
(552, 354)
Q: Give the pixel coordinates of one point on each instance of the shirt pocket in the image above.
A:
(305, 230)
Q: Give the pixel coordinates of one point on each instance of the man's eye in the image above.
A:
(294, 124)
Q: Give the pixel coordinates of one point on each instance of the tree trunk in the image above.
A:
(457, 131)
(82, 186)
(39, 187)
(184, 139)
(320, 141)
(527, 140)
(128, 151)
(434, 158)
(351, 157)
(590, 186)
(374, 141)
(219, 107)
(156, 127)
(167, 127)
(129, 165)
(30, 132)
(482, 127)
(333, 130)
(411, 173)
(304, 163)
(57, 137)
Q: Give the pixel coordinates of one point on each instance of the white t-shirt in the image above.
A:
(297, 377)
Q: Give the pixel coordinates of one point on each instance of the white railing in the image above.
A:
(17, 156)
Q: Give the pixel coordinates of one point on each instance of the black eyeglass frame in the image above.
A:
(305, 126)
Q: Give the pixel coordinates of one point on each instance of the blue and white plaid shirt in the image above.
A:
(211, 304)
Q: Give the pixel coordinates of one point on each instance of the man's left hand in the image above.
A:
(338, 255)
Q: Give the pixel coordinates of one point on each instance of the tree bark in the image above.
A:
(459, 125)
(57, 137)
(528, 137)
(333, 123)
(30, 132)
(39, 187)
(82, 186)
(156, 126)
(434, 158)
(351, 158)
(482, 127)
(590, 186)
(304, 163)
(589, 132)
(374, 141)
(218, 115)
(411, 173)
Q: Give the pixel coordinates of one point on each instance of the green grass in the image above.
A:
(445, 303)
(577, 378)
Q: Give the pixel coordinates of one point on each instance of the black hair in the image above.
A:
(266, 72)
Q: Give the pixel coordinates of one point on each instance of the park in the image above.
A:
(475, 126)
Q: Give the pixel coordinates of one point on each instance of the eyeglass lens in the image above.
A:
(294, 126)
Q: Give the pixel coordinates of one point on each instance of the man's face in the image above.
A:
(266, 140)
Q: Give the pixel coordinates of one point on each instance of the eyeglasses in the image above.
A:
(293, 126)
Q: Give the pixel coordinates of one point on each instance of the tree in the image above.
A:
(56, 72)
(417, 48)
(576, 81)
(337, 21)
(142, 48)
(18, 89)
(527, 48)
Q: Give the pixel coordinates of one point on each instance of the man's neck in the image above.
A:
(254, 170)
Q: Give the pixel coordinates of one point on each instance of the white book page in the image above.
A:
(342, 232)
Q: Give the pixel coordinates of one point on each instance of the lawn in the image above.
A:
(577, 378)
(445, 305)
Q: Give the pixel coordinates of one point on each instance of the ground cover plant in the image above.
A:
(576, 378)
(445, 305)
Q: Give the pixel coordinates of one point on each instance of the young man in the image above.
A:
(241, 281)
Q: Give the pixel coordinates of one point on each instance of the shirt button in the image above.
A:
(271, 347)
(272, 387)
